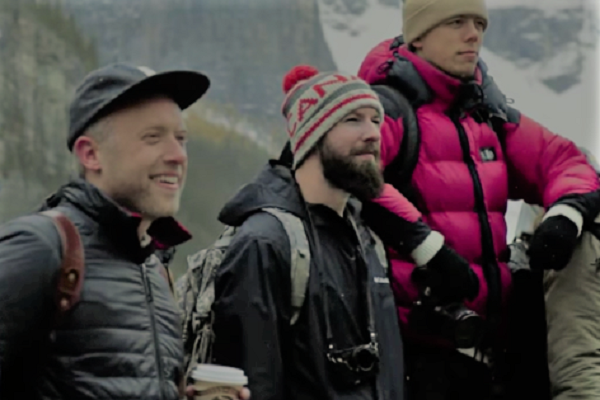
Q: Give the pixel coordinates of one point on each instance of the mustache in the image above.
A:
(372, 149)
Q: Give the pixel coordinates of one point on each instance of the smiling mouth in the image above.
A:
(167, 181)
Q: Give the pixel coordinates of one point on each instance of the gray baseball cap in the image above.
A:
(109, 87)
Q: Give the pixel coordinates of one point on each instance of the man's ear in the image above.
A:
(416, 44)
(87, 151)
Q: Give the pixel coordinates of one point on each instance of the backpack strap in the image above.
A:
(366, 234)
(595, 230)
(399, 172)
(165, 272)
(70, 280)
(594, 227)
(300, 257)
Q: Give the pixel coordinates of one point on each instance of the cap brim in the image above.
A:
(183, 87)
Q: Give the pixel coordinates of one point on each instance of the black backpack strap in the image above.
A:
(499, 111)
(595, 230)
(497, 125)
(399, 172)
(497, 122)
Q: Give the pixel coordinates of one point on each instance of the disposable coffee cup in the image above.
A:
(215, 382)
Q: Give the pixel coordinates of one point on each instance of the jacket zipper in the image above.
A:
(490, 264)
(150, 303)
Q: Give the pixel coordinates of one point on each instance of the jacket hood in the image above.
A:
(376, 64)
(166, 232)
(274, 186)
(392, 62)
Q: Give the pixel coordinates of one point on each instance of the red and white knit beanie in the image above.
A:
(315, 102)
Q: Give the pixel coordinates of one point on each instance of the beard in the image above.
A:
(361, 179)
(143, 199)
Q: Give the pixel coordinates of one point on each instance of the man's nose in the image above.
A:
(373, 132)
(473, 32)
(176, 151)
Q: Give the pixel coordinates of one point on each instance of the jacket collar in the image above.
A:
(120, 224)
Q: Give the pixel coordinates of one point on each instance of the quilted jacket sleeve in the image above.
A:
(547, 169)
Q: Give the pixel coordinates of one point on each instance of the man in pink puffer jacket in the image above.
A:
(465, 175)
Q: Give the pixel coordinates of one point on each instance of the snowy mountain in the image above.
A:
(543, 54)
(555, 38)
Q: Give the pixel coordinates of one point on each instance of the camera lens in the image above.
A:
(365, 358)
(468, 328)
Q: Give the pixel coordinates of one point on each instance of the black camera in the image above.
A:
(355, 365)
(452, 321)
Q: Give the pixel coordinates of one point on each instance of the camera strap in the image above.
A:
(314, 243)
(370, 313)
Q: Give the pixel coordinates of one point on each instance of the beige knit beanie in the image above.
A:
(419, 16)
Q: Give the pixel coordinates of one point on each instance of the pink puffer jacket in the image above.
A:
(453, 196)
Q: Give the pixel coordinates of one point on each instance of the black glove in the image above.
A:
(398, 233)
(449, 276)
(552, 244)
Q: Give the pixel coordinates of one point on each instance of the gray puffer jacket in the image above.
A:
(121, 341)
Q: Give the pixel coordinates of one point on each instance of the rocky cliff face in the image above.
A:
(245, 46)
(43, 55)
(553, 43)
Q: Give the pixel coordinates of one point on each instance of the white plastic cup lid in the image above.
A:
(219, 374)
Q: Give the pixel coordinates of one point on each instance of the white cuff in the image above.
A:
(424, 252)
(566, 211)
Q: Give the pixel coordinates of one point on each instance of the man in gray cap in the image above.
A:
(85, 308)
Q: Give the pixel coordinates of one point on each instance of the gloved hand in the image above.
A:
(554, 241)
(449, 276)
(453, 280)
(397, 232)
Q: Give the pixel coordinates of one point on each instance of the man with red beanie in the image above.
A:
(474, 154)
(325, 328)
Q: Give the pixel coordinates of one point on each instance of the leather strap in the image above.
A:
(70, 280)
(166, 273)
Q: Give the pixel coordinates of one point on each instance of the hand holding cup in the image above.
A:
(212, 382)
